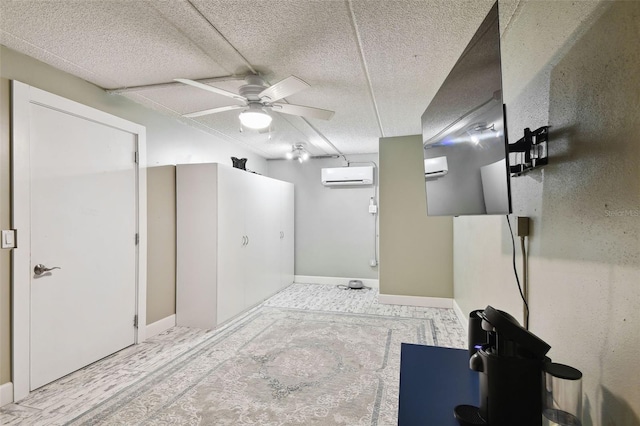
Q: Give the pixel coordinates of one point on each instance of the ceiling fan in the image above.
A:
(257, 99)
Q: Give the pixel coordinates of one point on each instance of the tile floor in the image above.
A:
(68, 397)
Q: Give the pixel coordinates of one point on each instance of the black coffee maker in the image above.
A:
(510, 361)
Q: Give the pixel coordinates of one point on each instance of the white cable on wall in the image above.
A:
(375, 215)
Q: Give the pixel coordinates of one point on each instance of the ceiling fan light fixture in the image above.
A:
(298, 152)
(255, 119)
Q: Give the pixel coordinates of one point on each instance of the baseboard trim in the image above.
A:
(161, 325)
(426, 302)
(307, 279)
(464, 320)
(6, 394)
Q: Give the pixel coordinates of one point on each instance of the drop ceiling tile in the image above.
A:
(110, 43)
(410, 59)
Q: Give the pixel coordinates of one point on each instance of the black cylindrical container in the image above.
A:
(477, 336)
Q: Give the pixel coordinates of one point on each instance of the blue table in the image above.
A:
(432, 382)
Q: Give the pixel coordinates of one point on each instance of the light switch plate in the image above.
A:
(8, 238)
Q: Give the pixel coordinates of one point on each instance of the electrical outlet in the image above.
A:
(373, 209)
(373, 262)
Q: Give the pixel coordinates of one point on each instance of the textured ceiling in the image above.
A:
(376, 63)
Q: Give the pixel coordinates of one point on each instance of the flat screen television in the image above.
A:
(464, 133)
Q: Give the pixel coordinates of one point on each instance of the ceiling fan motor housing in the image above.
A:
(256, 98)
(255, 107)
(255, 85)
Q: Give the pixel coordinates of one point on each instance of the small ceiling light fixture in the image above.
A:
(475, 131)
(297, 153)
(255, 117)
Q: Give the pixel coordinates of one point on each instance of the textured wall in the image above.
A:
(333, 227)
(585, 205)
(416, 250)
(5, 223)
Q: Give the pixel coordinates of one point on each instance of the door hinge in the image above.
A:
(137, 238)
(135, 321)
(135, 157)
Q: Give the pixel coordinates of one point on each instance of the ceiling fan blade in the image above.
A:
(303, 111)
(283, 88)
(213, 111)
(211, 89)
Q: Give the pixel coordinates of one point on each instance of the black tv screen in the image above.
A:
(464, 133)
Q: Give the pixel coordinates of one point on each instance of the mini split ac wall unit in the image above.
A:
(347, 176)
(435, 167)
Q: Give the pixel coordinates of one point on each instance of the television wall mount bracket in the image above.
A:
(530, 152)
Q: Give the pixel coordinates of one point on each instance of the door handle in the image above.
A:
(40, 269)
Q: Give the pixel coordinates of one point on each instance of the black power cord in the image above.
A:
(515, 270)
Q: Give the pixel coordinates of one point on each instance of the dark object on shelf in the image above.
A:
(510, 366)
(468, 415)
(239, 163)
(530, 151)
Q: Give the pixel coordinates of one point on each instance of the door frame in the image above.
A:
(22, 96)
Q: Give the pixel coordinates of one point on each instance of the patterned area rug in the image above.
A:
(276, 367)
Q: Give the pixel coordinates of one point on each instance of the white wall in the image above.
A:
(334, 230)
(573, 66)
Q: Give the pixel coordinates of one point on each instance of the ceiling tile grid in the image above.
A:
(411, 57)
(373, 62)
(313, 40)
(189, 21)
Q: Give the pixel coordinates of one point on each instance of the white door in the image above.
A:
(83, 205)
(232, 242)
(83, 220)
(261, 223)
